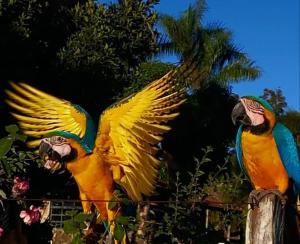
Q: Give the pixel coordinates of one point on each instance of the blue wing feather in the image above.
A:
(239, 151)
(288, 152)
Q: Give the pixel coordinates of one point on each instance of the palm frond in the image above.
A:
(235, 72)
(208, 51)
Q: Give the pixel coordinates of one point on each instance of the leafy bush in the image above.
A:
(13, 159)
(15, 162)
(182, 220)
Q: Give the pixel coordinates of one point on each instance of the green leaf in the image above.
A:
(123, 220)
(6, 166)
(20, 165)
(20, 137)
(12, 129)
(125, 201)
(2, 194)
(5, 146)
(119, 232)
(70, 227)
(82, 217)
(112, 205)
(22, 156)
(71, 213)
(82, 225)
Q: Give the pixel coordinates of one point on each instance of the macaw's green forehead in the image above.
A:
(261, 101)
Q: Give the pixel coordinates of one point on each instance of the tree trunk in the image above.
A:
(265, 223)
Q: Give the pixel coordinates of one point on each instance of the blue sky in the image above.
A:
(268, 31)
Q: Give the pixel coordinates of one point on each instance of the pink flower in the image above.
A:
(1, 231)
(31, 215)
(20, 186)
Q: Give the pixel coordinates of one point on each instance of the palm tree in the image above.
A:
(207, 50)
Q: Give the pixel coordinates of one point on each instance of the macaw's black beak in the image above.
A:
(239, 115)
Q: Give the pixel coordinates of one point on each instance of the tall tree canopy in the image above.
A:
(209, 50)
(81, 50)
(276, 99)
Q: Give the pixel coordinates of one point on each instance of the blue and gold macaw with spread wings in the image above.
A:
(122, 151)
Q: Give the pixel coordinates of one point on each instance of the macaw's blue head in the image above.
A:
(255, 114)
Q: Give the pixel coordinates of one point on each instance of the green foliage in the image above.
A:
(30, 30)
(5, 145)
(80, 34)
(75, 224)
(183, 218)
(119, 232)
(91, 47)
(226, 186)
(121, 223)
(176, 223)
(6, 142)
(115, 38)
(13, 160)
(77, 221)
(276, 99)
(146, 73)
(118, 199)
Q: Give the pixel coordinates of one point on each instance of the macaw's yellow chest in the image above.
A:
(262, 162)
(93, 177)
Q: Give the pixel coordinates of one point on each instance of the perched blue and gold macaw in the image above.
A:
(266, 149)
(122, 151)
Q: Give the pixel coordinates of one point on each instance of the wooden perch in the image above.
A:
(265, 222)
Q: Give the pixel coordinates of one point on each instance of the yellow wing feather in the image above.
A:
(39, 113)
(130, 131)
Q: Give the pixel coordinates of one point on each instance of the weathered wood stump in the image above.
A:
(60, 237)
(265, 222)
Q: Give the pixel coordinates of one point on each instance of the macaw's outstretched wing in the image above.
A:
(130, 131)
(40, 114)
(288, 152)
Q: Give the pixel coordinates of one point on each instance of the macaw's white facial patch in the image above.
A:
(254, 110)
(257, 119)
(63, 149)
(59, 145)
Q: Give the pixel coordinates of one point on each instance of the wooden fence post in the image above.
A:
(265, 223)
